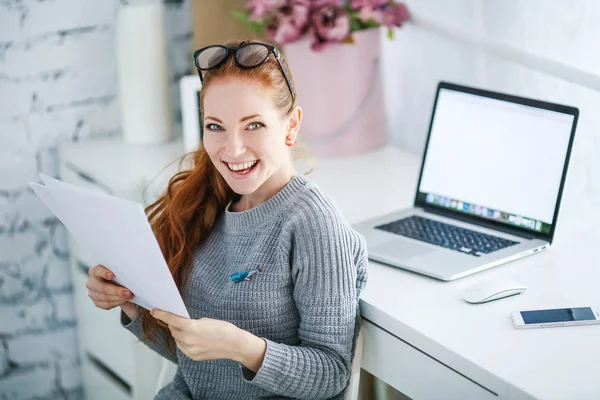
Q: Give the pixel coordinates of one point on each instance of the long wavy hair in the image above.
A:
(183, 216)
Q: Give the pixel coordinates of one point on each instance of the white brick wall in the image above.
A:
(58, 83)
(77, 47)
(28, 19)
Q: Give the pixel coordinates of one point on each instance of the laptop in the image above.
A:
(489, 189)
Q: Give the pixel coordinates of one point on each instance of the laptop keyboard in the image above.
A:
(446, 235)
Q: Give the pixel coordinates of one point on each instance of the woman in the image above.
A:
(268, 268)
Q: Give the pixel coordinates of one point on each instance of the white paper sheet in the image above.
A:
(117, 233)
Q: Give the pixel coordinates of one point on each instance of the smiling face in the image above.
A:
(247, 137)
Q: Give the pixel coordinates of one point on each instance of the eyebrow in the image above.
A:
(241, 120)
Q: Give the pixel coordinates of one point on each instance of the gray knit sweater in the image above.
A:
(303, 302)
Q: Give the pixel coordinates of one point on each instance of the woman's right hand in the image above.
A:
(105, 294)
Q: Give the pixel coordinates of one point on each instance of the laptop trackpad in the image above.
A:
(401, 249)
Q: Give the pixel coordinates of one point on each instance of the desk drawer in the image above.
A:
(100, 331)
(100, 384)
(412, 372)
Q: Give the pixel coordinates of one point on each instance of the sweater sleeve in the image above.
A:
(136, 328)
(329, 271)
(176, 390)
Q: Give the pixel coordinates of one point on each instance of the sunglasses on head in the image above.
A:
(248, 55)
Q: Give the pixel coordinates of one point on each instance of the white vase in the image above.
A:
(142, 68)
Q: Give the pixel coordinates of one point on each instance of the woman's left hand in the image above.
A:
(201, 339)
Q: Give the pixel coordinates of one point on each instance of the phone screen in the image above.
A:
(558, 315)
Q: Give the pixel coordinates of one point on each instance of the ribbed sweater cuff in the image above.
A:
(271, 374)
(134, 326)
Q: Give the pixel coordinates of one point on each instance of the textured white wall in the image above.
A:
(557, 30)
(58, 83)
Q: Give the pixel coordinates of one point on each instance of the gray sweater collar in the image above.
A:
(242, 220)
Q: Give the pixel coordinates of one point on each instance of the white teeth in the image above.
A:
(239, 167)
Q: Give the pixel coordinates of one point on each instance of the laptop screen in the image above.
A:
(496, 159)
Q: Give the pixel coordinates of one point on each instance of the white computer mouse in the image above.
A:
(482, 292)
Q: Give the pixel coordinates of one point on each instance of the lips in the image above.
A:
(242, 168)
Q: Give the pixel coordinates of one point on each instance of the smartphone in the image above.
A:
(556, 317)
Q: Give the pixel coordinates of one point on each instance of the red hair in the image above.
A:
(183, 217)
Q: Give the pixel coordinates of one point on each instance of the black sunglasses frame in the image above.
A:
(236, 51)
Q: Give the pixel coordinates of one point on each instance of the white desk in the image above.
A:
(476, 346)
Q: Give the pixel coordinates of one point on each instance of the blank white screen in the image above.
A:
(497, 154)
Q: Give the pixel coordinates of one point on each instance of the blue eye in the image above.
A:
(255, 125)
(213, 127)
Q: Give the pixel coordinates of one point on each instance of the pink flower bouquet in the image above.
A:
(325, 21)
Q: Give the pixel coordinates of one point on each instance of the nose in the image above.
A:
(234, 146)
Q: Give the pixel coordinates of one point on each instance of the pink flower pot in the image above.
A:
(340, 90)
